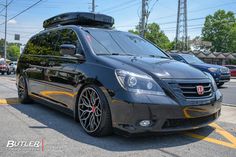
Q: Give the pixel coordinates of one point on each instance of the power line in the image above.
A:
(149, 12)
(2, 9)
(165, 23)
(153, 6)
(173, 30)
(125, 7)
(188, 26)
(10, 2)
(5, 6)
(28, 8)
(121, 5)
(197, 10)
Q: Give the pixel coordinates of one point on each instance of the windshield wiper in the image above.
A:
(156, 56)
(116, 54)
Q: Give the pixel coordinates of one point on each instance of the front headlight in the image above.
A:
(138, 83)
(212, 81)
(225, 70)
(212, 69)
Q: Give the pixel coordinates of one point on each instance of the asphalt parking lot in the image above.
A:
(42, 131)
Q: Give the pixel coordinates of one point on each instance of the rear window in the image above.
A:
(43, 44)
(231, 67)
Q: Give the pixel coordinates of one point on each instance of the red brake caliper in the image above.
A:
(93, 109)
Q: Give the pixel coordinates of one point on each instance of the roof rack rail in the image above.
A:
(80, 18)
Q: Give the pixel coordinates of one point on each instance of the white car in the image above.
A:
(13, 66)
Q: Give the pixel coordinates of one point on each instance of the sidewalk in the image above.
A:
(228, 114)
(233, 79)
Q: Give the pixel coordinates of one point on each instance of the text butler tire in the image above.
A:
(94, 113)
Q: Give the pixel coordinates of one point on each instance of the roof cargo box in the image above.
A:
(80, 18)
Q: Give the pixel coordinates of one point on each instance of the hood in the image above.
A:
(163, 68)
(205, 65)
(3, 65)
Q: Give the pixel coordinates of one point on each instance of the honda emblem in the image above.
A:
(200, 90)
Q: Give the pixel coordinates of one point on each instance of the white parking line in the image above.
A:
(233, 80)
(226, 104)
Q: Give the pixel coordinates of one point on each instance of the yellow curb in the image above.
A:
(9, 101)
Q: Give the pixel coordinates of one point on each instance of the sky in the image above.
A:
(125, 12)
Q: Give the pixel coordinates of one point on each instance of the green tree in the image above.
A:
(232, 39)
(13, 52)
(156, 35)
(217, 29)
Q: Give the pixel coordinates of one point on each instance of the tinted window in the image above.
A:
(231, 67)
(68, 36)
(48, 42)
(178, 58)
(192, 59)
(43, 44)
(124, 43)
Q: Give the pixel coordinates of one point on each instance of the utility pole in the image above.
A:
(5, 41)
(5, 33)
(181, 40)
(93, 6)
(144, 17)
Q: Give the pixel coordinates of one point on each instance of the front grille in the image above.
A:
(189, 90)
(225, 77)
(191, 122)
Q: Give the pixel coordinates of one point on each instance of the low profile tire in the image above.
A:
(94, 112)
(23, 91)
(8, 72)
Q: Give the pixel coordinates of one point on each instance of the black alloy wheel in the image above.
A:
(23, 91)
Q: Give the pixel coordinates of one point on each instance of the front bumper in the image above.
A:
(3, 69)
(223, 78)
(165, 114)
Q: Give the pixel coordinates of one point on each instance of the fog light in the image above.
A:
(145, 123)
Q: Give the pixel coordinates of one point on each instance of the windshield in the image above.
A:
(108, 42)
(191, 59)
(2, 62)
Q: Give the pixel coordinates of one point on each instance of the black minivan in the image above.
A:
(110, 80)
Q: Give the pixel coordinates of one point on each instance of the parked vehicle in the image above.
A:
(111, 80)
(12, 67)
(221, 74)
(232, 69)
(5, 68)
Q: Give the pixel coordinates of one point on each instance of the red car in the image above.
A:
(5, 68)
(232, 69)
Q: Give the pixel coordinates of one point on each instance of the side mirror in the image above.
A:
(68, 49)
